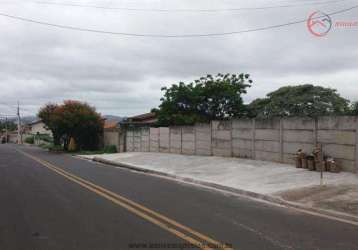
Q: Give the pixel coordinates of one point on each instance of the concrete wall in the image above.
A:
(153, 140)
(144, 142)
(267, 140)
(188, 140)
(272, 140)
(297, 133)
(221, 138)
(114, 137)
(13, 137)
(176, 140)
(164, 139)
(203, 133)
(111, 137)
(242, 138)
(338, 136)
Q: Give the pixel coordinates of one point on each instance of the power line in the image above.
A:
(13, 107)
(5, 104)
(191, 10)
(167, 36)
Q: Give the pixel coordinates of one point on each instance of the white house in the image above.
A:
(38, 127)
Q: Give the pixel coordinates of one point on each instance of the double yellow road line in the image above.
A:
(186, 233)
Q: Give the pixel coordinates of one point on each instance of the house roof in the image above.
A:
(147, 118)
(110, 124)
(142, 117)
(35, 122)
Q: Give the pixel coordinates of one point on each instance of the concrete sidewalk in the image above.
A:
(269, 179)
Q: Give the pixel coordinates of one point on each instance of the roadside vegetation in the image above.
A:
(30, 140)
(75, 125)
(300, 100)
(207, 98)
(221, 97)
(10, 125)
(108, 149)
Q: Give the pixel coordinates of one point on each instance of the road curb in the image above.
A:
(269, 198)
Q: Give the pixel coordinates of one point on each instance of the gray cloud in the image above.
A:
(123, 76)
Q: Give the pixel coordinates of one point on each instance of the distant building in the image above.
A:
(108, 125)
(146, 119)
(112, 135)
(38, 127)
(115, 133)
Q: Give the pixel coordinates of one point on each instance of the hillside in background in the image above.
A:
(114, 118)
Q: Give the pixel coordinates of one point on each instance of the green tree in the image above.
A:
(300, 100)
(205, 99)
(50, 116)
(354, 108)
(76, 120)
(10, 125)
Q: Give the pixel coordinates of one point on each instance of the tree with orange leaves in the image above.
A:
(73, 119)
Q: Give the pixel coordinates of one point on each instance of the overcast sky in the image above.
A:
(122, 75)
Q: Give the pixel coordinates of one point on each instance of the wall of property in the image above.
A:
(270, 140)
(114, 137)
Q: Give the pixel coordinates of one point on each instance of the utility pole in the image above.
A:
(6, 131)
(19, 135)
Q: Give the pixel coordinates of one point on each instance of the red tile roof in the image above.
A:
(110, 124)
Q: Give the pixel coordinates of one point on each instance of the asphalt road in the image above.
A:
(54, 201)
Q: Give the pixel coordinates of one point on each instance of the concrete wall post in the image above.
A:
(158, 139)
(281, 140)
(141, 139)
(149, 141)
(125, 139)
(195, 138)
(119, 140)
(356, 148)
(315, 132)
(170, 139)
(211, 138)
(253, 138)
(181, 139)
(133, 148)
(231, 140)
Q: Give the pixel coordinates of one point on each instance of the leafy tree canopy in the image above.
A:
(300, 100)
(353, 108)
(73, 119)
(205, 99)
(10, 125)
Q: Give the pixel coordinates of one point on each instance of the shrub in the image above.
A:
(44, 145)
(51, 147)
(45, 137)
(29, 140)
(110, 149)
(55, 148)
(73, 119)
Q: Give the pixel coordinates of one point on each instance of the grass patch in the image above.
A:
(110, 149)
(29, 140)
(89, 152)
(52, 148)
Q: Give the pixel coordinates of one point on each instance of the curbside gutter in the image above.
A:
(344, 217)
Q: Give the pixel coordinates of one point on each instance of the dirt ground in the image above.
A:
(340, 198)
